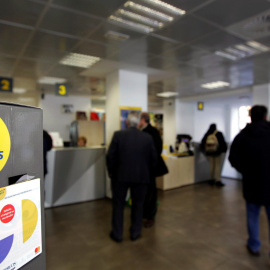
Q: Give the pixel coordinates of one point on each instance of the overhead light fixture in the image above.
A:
(226, 55)
(167, 94)
(116, 36)
(235, 52)
(79, 60)
(149, 11)
(258, 46)
(166, 6)
(140, 18)
(19, 90)
(51, 80)
(247, 49)
(214, 85)
(131, 24)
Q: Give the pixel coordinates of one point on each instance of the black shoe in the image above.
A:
(211, 182)
(114, 238)
(149, 223)
(134, 238)
(220, 184)
(252, 252)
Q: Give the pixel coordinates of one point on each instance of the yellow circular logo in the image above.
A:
(4, 144)
(3, 193)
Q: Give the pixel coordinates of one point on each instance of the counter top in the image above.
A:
(77, 148)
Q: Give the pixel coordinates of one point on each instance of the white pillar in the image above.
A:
(169, 122)
(123, 89)
(261, 95)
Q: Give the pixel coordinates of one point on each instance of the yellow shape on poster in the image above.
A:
(3, 193)
(4, 144)
(29, 218)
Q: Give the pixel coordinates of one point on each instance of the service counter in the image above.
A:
(75, 174)
(181, 172)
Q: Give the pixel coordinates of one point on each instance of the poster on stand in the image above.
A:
(20, 224)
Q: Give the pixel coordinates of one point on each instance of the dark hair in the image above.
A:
(146, 117)
(258, 113)
(211, 129)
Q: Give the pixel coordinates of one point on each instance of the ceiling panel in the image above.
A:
(218, 41)
(27, 69)
(102, 8)
(69, 23)
(21, 11)
(12, 39)
(227, 12)
(6, 65)
(187, 28)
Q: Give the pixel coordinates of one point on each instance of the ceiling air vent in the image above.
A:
(116, 36)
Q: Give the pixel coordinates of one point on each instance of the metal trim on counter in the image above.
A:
(75, 175)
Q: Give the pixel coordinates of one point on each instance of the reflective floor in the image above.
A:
(197, 227)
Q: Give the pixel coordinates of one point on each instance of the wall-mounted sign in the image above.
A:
(20, 224)
(61, 89)
(200, 106)
(124, 111)
(6, 84)
(67, 108)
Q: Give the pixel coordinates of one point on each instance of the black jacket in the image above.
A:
(250, 155)
(222, 145)
(47, 146)
(161, 167)
(131, 156)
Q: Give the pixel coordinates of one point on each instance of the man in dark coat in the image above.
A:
(47, 146)
(214, 157)
(150, 204)
(250, 155)
(130, 160)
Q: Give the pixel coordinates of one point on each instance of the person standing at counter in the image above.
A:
(213, 145)
(130, 160)
(250, 155)
(150, 204)
(47, 146)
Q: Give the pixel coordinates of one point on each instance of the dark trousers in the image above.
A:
(137, 192)
(150, 203)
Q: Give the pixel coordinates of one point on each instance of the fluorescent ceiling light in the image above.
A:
(140, 18)
(137, 26)
(79, 60)
(246, 49)
(166, 6)
(258, 46)
(116, 36)
(226, 55)
(148, 11)
(19, 90)
(235, 52)
(214, 85)
(167, 94)
(51, 80)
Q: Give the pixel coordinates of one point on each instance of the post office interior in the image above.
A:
(206, 63)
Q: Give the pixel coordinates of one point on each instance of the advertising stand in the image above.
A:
(22, 229)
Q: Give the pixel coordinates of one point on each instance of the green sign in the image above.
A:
(61, 89)
(6, 84)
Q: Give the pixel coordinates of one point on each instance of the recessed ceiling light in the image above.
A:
(79, 60)
(258, 46)
(116, 36)
(167, 94)
(236, 52)
(226, 55)
(19, 90)
(247, 49)
(166, 6)
(140, 18)
(137, 26)
(148, 11)
(214, 85)
(51, 80)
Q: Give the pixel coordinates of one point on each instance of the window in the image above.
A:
(244, 116)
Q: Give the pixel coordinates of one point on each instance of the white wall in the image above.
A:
(169, 122)
(261, 95)
(53, 117)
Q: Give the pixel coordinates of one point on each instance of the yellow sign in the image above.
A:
(6, 84)
(200, 106)
(61, 89)
(5, 144)
(3, 193)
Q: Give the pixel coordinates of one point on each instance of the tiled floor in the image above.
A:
(197, 227)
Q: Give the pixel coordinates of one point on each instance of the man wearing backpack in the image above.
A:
(213, 145)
